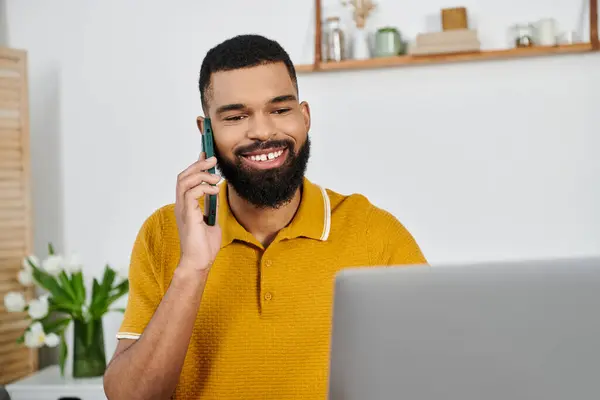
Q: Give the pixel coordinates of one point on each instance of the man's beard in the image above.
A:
(270, 188)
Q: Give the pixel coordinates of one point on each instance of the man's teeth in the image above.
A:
(265, 157)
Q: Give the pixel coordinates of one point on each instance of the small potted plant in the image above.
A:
(64, 300)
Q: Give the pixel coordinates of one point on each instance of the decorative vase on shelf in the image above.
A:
(89, 357)
(360, 45)
(361, 9)
(66, 301)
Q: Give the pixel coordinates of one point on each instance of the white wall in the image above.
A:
(481, 161)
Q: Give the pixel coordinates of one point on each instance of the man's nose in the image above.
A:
(261, 127)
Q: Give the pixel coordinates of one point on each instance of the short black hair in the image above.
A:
(242, 51)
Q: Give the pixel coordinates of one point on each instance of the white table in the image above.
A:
(47, 384)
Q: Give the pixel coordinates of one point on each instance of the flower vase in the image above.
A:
(360, 45)
(89, 357)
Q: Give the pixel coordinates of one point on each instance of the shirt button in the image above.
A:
(268, 263)
(268, 296)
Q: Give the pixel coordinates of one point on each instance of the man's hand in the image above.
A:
(199, 242)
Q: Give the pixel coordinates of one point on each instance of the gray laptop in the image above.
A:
(498, 331)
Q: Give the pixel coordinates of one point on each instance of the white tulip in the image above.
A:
(35, 336)
(14, 302)
(52, 340)
(38, 308)
(73, 264)
(53, 265)
(25, 277)
(27, 261)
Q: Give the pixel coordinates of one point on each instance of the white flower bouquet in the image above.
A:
(66, 300)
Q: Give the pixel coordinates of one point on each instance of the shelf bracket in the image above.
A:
(594, 24)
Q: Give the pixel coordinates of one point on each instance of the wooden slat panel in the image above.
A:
(12, 243)
(11, 209)
(10, 285)
(14, 365)
(15, 207)
(10, 143)
(11, 164)
(12, 233)
(12, 223)
(8, 73)
(13, 326)
(13, 134)
(10, 123)
(11, 158)
(8, 274)
(11, 336)
(8, 263)
(10, 64)
(7, 94)
(11, 82)
(7, 317)
(11, 174)
(13, 347)
(10, 214)
(9, 113)
(10, 217)
(11, 253)
(15, 374)
(10, 185)
(18, 355)
(11, 194)
(11, 154)
(7, 104)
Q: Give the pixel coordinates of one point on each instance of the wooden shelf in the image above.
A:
(319, 66)
(409, 60)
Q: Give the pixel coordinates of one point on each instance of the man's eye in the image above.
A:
(234, 118)
(282, 110)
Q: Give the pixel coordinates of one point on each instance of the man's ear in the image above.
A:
(305, 108)
(200, 123)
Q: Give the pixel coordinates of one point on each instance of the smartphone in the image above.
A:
(210, 206)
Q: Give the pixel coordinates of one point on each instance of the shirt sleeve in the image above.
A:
(390, 243)
(145, 290)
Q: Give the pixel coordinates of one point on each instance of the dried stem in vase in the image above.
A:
(361, 10)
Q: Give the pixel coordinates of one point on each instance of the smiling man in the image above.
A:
(242, 309)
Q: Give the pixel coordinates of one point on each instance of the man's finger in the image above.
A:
(192, 195)
(195, 179)
(198, 166)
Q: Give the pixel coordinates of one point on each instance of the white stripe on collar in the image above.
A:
(327, 222)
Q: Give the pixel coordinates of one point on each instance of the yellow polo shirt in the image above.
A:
(262, 330)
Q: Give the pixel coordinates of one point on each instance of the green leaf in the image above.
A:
(79, 286)
(63, 353)
(108, 279)
(56, 326)
(116, 293)
(64, 306)
(21, 339)
(101, 293)
(49, 283)
(95, 287)
(67, 286)
(97, 300)
(121, 288)
(31, 263)
(50, 249)
(120, 310)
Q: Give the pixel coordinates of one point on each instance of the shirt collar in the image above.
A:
(312, 220)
